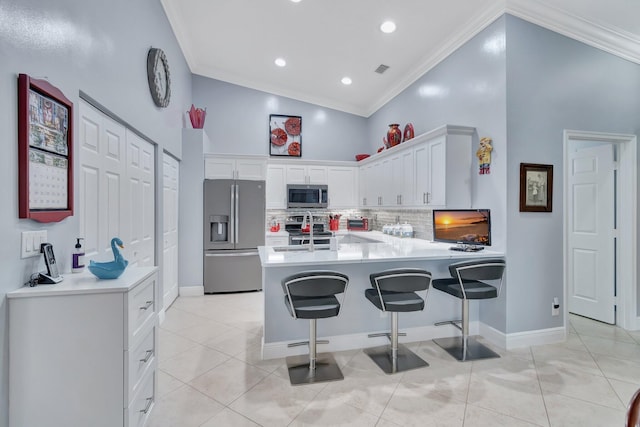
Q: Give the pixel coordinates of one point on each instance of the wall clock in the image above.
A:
(159, 77)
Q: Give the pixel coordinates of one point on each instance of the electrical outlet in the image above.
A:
(555, 307)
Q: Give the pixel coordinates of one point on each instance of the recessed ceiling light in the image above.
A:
(388, 27)
(346, 81)
(295, 1)
(280, 62)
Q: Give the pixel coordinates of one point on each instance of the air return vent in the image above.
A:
(382, 68)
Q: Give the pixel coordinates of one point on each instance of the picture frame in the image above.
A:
(536, 187)
(285, 135)
(45, 151)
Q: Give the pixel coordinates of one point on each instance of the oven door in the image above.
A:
(307, 196)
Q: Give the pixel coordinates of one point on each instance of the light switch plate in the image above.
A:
(31, 241)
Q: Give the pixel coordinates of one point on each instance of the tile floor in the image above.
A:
(211, 374)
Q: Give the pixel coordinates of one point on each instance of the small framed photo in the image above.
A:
(285, 135)
(536, 187)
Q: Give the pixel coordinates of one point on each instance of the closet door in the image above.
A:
(139, 208)
(170, 172)
(117, 184)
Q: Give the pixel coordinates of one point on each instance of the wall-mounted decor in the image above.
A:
(159, 77)
(285, 135)
(536, 187)
(484, 156)
(45, 151)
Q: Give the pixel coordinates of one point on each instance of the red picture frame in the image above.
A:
(45, 151)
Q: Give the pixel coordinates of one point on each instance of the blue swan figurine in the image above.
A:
(112, 269)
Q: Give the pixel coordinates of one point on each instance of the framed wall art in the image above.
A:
(45, 151)
(536, 187)
(285, 135)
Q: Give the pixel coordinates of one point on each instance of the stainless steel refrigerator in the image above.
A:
(234, 227)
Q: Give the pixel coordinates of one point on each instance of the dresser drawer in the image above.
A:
(137, 414)
(140, 359)
(142, 306)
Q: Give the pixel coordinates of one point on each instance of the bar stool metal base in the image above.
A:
(300, 371)
(405, 360)
(474, 350)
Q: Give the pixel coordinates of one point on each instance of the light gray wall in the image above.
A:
(238, 122)
(553, 83)
(99, 48)
(468, 88)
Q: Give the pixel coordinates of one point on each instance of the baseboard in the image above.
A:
(358, 341)
(170, 297)
(191, 291)
(523, 339)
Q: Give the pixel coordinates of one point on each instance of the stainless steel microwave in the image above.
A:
(306, 196)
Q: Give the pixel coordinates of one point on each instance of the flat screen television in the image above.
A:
(463, 227)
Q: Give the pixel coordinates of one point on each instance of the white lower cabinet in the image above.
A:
(84, 352)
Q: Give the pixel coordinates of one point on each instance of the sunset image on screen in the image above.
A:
(462, 226)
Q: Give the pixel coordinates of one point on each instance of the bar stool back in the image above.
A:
(395, 291)
(312, 295)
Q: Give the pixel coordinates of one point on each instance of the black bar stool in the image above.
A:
(394, 291)
(466, 283)
(312, 295)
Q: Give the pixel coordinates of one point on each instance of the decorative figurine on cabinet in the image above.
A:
(112, 269)
(484, 156)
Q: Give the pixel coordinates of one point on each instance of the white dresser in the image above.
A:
(84, 352)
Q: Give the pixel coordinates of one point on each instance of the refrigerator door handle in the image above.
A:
(231, 254)
(237, 220)
(232, 218)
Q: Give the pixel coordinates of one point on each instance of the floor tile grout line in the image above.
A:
(544, 400)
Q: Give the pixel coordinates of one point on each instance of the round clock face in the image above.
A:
(159, 77)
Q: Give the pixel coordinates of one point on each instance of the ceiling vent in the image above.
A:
(382, 68)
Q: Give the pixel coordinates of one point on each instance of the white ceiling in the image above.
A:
(322, 41)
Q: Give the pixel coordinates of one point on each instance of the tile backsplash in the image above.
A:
(420, 219)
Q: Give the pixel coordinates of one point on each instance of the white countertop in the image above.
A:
(390, 248)
(86, 283)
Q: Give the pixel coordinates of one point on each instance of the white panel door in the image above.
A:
(139, 208)
(102, 181)
(591, 258)
(170, 229)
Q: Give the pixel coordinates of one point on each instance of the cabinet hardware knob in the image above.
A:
(148, 406)
(147, 357)
(147, 305)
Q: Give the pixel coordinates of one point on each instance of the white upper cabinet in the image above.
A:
(235, 167)
(276, 192)
(343, 186)
(306, 174)
(432, 170)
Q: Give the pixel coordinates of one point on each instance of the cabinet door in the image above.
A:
(376, 179)
(342, 187)
(296, 174)
(276, 192)
(317, 175)
(219, 168)
(422, 184)
(364, 184)
(437, 171)
(388, 191)
(250, 169)
(276, 241)
(407, 183)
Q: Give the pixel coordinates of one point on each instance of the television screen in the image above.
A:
(465, 226)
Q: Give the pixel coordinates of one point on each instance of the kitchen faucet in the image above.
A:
(310, 224)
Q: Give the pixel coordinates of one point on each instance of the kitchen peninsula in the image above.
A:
(358, 318)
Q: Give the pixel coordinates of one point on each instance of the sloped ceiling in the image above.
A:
(323, 41)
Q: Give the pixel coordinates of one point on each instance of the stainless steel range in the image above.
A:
(293, 225)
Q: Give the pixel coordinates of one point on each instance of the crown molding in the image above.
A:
(609, 39)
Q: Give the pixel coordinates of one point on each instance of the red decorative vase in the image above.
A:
(197, 116)
(394, 135)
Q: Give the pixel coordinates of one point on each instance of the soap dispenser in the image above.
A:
(77, 264)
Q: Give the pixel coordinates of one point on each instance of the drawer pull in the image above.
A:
(149, 403)
(147, 305)
(148, 356)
